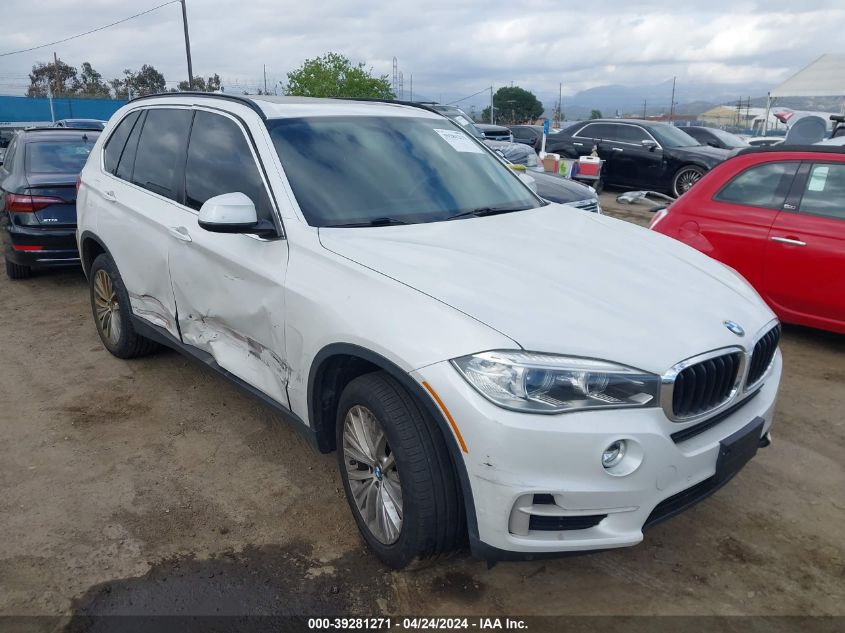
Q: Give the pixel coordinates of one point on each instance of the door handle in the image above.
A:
(180, 233)
(579, 144)
(616, 149)
(789, 240)
(109, 195)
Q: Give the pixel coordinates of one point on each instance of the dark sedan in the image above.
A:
(716, 138)
(531, 135)
(639, 154)
(564, 191)
(38, 198)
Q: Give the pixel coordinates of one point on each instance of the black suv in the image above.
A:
(639, 154)
(38, 198)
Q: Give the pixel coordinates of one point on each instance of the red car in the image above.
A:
(777, 216)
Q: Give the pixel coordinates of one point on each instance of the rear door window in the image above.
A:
(117, 141)
(604, 131)
(220, 161)
(763, 185)
(161, 150)
(824, 193)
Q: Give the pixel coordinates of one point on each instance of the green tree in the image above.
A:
(61, 77)
(146, 81)
(90, 83)
(333, 75)
(211, 84)
(595, 114)
(514, 105)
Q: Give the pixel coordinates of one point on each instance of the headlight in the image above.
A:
(547, 383)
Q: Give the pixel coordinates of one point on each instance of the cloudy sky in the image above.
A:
(453, 48)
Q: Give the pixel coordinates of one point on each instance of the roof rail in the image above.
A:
(770, 149)
(211, 95)
(413, 104)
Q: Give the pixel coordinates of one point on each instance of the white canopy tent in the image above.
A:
(825, 77)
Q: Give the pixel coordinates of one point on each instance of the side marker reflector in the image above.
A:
(448, 416)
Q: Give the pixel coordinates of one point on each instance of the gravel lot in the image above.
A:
(153, 485)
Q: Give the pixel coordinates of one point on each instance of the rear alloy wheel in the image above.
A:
(16, 271)
(685, 178)
(397, 474)
(110, 305)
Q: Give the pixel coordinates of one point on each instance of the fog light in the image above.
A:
(613, 454)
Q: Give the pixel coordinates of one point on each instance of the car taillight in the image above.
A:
(78, 182)
(22, 203)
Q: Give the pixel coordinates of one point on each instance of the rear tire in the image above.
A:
(111, 309)
(405, 459)
(16, 271)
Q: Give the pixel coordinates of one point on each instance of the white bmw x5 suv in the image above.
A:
(488, 366)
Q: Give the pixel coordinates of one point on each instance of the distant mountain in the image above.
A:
(659, 96)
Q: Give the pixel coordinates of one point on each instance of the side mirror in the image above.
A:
(648, 143)
(232, 213)
(713, 143)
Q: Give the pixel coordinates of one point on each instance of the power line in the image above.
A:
(469, 97)
(73, 37)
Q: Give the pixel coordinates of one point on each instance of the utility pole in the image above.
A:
(50, 98)
(187, 46)
(265, 78)
(56, 72)
(645, 105)
(412, 87)
(559, 104)
(672, 107)
(491, 105)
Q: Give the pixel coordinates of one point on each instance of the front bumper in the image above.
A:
(55, 247)
(511, 457)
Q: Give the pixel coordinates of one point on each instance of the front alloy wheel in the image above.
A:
(372, 474)
(382, 431)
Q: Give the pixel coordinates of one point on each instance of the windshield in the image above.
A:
(670, 136)
(731, 141)
(58, 157)
(360, 169)
(461, 118)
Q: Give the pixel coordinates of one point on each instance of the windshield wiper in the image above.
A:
(481, 212)
(373, 222)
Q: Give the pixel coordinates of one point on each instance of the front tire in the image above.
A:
(685, 178)
(16, 271)
(397, 474)
(111, 308)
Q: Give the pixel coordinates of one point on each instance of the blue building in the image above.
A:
(16, 111)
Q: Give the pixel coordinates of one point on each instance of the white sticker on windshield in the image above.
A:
(459, 141)
(818, 178)
(461, 120)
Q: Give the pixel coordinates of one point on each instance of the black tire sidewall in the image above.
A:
(412, 540)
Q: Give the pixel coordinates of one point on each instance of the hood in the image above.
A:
(558, 280)
(706, 154)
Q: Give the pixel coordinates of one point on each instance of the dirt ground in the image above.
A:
(154, 486)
